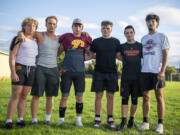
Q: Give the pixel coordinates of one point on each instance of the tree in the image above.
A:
(170, 70)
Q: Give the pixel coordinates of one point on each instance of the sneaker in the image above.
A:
(20, 124)
(8, 125)
(111, 123)
(121, 127)
(159, 128)
(97, 123)
(60, 122)
(79, 123)
(48, 122)
(34, 122)
(144, 126)
(131, 124)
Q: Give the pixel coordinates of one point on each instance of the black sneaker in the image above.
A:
(121, 127)
(131, 124)
(8, 126)
(47, 122)
(20, 124)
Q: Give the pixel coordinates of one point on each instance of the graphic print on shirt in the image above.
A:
(131, 52)
(149, 47)
(77, 43)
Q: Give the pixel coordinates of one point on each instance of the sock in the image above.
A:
(131, 119)
(97, 117)
(145, 119)
(62, 111)
(34, 120)
(20, 119)
(110, 118)
(61, 119)
(160, 121)
(124, 120)
(48, 116)
(78, 118)
(8, 121)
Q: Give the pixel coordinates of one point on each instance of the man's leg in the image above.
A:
(12, 105)
(34, 108)
(49, 106)
(98, 105)
(79, 109)
(146, 109)
(22, 105)
(160, 109)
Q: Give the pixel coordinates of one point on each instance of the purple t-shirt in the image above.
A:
(69, 41)
(75, 48)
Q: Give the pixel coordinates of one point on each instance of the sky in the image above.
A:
(92, 12)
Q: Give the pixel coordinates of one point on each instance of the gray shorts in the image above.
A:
(46, 79)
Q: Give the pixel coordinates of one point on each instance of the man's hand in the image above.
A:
(161, 76)
(14, 77)
(21, 36)
(85, 34)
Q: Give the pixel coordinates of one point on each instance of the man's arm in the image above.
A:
(12, 56)
(119, 56)
(60, 50)
(89, 54)
(161, 74)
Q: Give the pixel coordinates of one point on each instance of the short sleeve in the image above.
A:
(165, 43)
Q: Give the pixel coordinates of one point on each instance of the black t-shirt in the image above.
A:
(131, 58)
(105, 49)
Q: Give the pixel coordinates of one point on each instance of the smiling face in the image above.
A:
(129, 34)
(51, 25)
(106, 30)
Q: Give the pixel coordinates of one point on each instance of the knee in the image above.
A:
(146, 98)
(125, 100)
(64, 99)
(134, 100)
(35, 98)
(110, 96)
(99, 96)
(79, 99)
(23, 97)
(160, 98)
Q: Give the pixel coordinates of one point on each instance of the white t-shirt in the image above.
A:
(153, 45)
(27, 53)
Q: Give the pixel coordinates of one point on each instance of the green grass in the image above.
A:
(171, 121)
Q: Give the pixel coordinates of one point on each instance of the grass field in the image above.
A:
(171, 121)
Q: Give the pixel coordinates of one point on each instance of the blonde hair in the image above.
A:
(29, 20)
(52, 17)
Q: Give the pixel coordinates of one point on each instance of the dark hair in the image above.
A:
(152, 16)
(51, 17)
(105, 23)
(129, 27)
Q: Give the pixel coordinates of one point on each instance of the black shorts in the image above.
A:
(105, 81)
(26, 75)
(149, 81)
(130, 87)
(78, 79)
(46, 79)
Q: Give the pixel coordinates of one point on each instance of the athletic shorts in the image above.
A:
(105, 81)
(149, 81)
(26, 75)
(78, 79)
(130, 87)
(46, 79)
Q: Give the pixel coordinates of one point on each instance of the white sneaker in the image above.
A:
(159, 128)
(79, 123)
(144, 126)
(60, 122)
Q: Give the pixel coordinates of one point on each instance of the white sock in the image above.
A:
(110, 119)
(78, 118)
(34, 120)
(8, 121)
(48, 116)
(61, 119)
(20, 119)
(97, 118)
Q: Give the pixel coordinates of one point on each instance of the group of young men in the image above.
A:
(137, 79)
